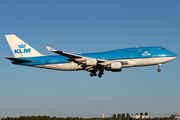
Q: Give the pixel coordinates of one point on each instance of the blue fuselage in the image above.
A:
(114, 55)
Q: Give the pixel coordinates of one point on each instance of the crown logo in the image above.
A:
(21, 46)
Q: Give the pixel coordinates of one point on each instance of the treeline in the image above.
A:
(52, 118)
(114, 117)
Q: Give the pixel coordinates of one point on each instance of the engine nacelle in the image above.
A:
(116, 66)
(91, 62)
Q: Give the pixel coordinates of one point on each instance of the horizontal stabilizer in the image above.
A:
(19, 60)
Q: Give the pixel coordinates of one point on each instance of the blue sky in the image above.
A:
(89, 26)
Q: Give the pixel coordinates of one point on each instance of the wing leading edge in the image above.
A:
(69, 55)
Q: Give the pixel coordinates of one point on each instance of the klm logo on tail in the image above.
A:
(22, 49)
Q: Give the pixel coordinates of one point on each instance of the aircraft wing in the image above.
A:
(87, 62)
(69, 55)
(72, 56)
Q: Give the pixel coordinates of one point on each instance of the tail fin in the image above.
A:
(20, 48)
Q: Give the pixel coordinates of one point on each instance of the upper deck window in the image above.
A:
(163, 48)
(131, 51)
(148, 50)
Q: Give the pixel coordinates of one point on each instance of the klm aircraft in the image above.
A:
(113, 60)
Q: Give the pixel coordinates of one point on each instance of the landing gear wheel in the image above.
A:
(91, 74)
(99, 75)
(95, 74)
(159, 70)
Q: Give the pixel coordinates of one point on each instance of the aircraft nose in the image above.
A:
(173, 55)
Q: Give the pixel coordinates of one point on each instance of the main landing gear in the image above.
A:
(159, 69)
(93, 73)
(100, 73)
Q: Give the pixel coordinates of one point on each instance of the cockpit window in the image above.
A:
(162, 48)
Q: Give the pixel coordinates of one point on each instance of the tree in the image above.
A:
(141, 115)
(123, 116)
(127, 116)
(114, 115)
(137, 114)
(146, 113)
(119, 116)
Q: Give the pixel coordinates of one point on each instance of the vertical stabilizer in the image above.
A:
(20, 48)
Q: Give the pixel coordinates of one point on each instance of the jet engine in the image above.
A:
(91, 62)
(116, 66)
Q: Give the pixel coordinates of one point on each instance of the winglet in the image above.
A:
(50, 49)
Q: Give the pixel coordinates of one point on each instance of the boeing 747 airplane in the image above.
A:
(113, 60)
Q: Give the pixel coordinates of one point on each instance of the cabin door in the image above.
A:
(139, 50)
(131, 57)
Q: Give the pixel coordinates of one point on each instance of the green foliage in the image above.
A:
(141, 114)
(114, 115)
(119, 116)
(123, 116)
(127, 116)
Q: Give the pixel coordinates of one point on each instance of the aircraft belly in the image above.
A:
(63, 67)
(148, 61)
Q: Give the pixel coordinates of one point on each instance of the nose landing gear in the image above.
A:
(159, 69)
